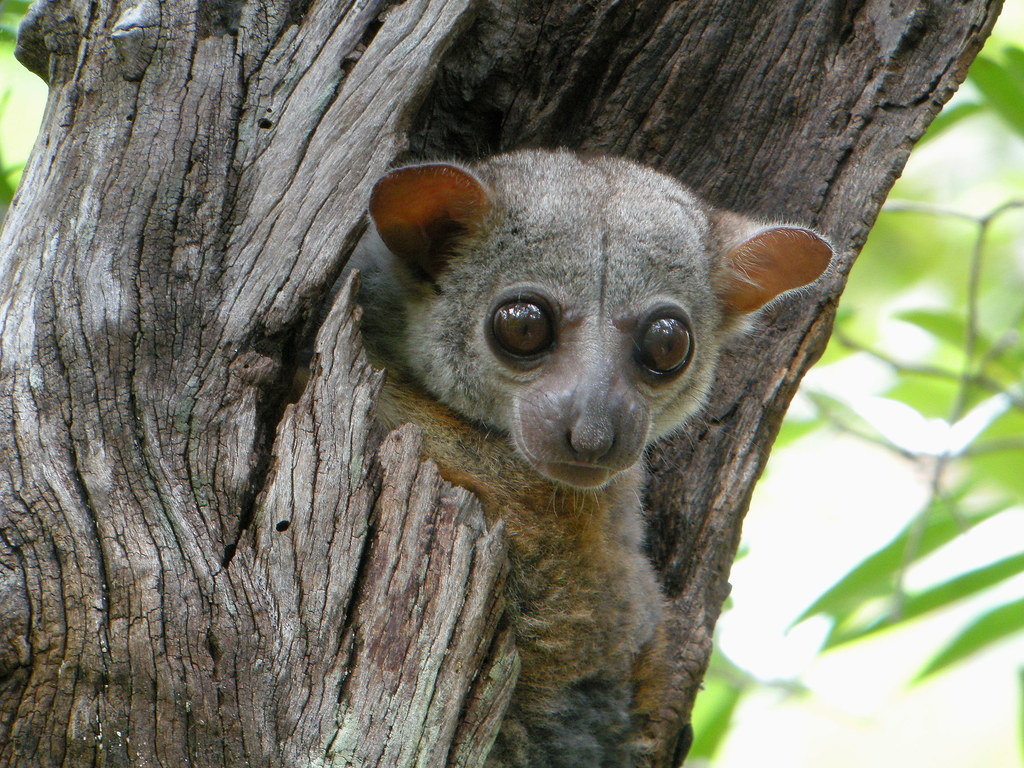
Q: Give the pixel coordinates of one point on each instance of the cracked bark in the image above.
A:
(194, 572)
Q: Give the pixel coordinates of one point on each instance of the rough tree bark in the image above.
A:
(194, 571)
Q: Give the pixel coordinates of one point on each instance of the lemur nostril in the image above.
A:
(588, 443)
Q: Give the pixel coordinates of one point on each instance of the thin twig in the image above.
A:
(934, 209)
(927, 209)
(832, 416)
(978, 380)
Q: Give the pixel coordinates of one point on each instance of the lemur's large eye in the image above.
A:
(665, 343)
(522, 328)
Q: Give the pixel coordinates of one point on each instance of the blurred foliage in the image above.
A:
(11, 13)
(12, 98)
(7, 184)
(951, 283)
(964, 380)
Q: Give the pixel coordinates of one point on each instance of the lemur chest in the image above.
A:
(582, 596)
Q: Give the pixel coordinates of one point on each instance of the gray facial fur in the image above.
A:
(604, 241)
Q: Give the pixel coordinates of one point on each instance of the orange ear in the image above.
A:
(770, 263)
(420, 210)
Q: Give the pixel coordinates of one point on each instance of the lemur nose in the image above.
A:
(590, 442)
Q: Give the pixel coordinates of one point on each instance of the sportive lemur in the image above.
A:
(543, 317)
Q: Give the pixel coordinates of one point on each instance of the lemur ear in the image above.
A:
(769, 263)
(420, 210)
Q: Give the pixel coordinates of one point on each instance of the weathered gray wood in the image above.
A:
(386, 586)
(196, 572)
(168, 238)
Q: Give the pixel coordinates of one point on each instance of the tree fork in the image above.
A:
(198, 572)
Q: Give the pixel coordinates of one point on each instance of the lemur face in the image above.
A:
(576, 305)
(581, 381)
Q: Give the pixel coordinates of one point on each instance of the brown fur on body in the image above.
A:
(582, 597)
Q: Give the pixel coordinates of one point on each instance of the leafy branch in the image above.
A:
(943, 516)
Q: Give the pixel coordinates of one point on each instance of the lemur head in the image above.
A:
(577, 305)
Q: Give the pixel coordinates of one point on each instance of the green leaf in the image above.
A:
(929, 395)
(989, 628)
(1001, 468)
(12, 12)
(6, 189)
(949, 117)
(724, 685)
(1013, 58)
(868, 617)
(875, 575)
(938, 596)
(1002, 89)
(712, 715)
(949, 327)
(837, 411)
(793, 429)
(962, 586)
(944, 324)
(1006, 365)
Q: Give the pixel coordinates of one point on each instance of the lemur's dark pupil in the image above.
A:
(665, 345)
(522, 328)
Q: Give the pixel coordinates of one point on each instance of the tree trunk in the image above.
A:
(195, 570)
